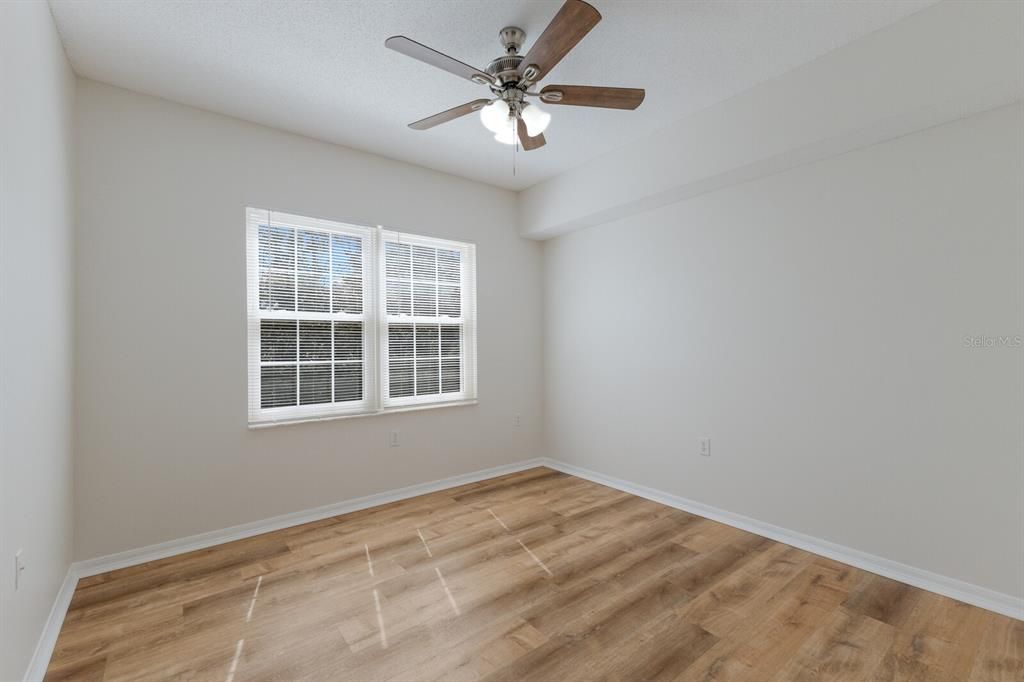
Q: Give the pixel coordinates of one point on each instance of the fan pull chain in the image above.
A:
(515, 148)
(515, 156)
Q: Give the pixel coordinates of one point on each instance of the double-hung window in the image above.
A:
(347, 319)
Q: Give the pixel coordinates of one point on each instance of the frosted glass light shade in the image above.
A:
(507, 134)
(495, 116)
(536, 119)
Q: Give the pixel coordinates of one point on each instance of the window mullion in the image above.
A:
(330, 308)
(379, 330)
(298, 323)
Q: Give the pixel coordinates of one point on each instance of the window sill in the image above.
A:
(333, 417)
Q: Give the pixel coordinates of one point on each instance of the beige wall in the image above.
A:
(812, 324)
(36, 98)
(163, 447)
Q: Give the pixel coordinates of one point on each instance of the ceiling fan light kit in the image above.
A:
(510, 77)
(535, 118)
(495, 115)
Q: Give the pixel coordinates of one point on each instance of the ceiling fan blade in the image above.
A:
(449, 114)
(529, 143)
(428, 55)
(573, 21)
(589, 96)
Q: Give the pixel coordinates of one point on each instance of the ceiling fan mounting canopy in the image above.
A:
(511, 76)
(512, 38)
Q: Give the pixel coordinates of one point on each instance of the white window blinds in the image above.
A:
(347, 320)
(429, 315)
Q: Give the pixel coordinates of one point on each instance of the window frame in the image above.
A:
(374, 318)
(466, 321)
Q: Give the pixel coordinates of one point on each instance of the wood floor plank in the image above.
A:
(85, 669)
(772, 632)
(535, 575)
(1000, 656)
(728, 605)
(903, 663)
(884, 600)
(661, 650)
(850, 646)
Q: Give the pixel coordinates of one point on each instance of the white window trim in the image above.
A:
(375, 322)
(467, 320)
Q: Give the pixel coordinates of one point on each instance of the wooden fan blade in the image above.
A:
(450, 114)
(588, 96)
(573, 21)
(529, 143)
(428, 55)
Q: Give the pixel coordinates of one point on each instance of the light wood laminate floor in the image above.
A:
(533, 576)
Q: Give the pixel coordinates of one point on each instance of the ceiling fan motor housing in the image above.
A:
(505, 69)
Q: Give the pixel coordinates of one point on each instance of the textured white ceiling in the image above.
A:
(320, 68)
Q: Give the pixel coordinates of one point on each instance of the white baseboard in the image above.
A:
(991, 600)
(132, 557)
(926, 580)
(48, 639)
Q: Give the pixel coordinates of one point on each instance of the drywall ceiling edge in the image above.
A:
(925, 70)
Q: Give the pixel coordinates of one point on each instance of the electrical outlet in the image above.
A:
(393, 439)
(705, 447)
(19, 568)
(517, 420)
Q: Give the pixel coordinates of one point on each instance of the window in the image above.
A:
(346, 320)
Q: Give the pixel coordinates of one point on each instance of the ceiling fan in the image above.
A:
(508, 115)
